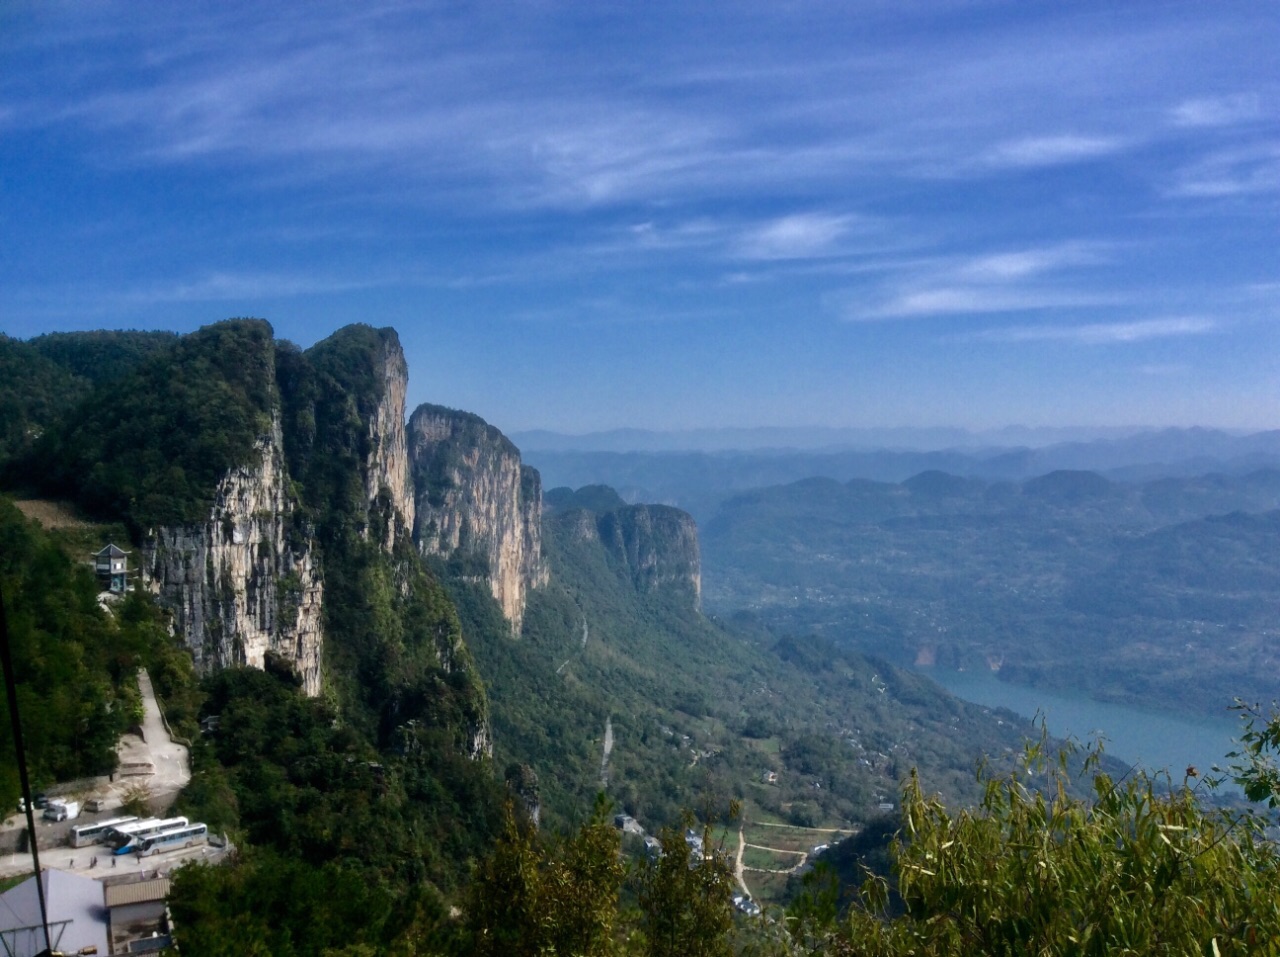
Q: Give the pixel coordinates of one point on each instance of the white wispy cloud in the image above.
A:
(229, 285)
(700, 231)
(424, 99)
(1217, 110)
(1017, 280)
(1104, 333)
(798, 236)
(1025, 263)
(972, 300)
(1058, 150)
(1235, 172)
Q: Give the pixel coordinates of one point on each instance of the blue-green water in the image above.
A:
(1156, 740)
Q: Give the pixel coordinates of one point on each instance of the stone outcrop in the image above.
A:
(328, 483)
(653, 547)
(245, 581)
(386, 468)
(657, 545)
(476, 504)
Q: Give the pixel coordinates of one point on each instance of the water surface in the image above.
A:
(1156, 740)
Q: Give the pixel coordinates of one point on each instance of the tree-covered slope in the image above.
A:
(1137, 592)
(699, 710)
(74, 661)
(150, 446)
(44, 378)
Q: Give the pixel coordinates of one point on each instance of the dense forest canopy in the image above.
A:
(150, 446)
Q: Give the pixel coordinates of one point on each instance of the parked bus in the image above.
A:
(129, 837)
(174, 838)
(82, 835)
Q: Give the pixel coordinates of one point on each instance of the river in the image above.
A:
(1156, 740)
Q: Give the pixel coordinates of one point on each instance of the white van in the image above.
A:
(59, 810)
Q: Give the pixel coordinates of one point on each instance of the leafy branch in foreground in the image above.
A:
(1141, 868)
(1257, 773)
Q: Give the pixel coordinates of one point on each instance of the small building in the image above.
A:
(138, 916)
(627, 824)
(746, 905)
(697, 852)
(112, 567)
(77, 916)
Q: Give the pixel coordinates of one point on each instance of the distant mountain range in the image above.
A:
(1161, 593)
(813, 437)
(699, 481)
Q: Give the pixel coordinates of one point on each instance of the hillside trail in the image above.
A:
(160, 763)
(737, 863)
(803, 855)
(797, 827)
(608, 749)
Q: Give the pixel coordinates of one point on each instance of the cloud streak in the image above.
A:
(230, 286)
(798, 236)
(1104, 333)
(507, 115)
(1211, 111)
(1020, 280)
(1236, 172)
(1061, 150)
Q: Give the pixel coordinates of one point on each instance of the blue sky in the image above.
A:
(674, 215)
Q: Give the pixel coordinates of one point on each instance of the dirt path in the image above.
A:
(737, 863)
(803, 855)
(608, 749)
(172, 760)
(797, 827)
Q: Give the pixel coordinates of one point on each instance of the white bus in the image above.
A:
(129, 837)
(83, 835)
(173, 838)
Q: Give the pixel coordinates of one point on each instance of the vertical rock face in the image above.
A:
(245, 581)
(476, 504)
(657, 544)
(387, 463)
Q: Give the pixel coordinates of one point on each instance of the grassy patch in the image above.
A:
(8, 883)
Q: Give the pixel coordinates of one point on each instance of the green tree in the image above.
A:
(685, 897)
(529, 899)
(1141, 868)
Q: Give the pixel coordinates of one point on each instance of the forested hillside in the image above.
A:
(701, 710)
(74, 662)
(41, 379)
(1161, 593)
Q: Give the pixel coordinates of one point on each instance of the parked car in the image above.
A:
(94, 805)
(62, 811)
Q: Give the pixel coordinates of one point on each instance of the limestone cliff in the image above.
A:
(657, 545)
(476, 504)
(273, 466)
(245, 581)
(386, 466)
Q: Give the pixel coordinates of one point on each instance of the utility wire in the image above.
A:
(11, 687)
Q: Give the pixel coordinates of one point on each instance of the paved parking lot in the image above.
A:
(152, 762)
